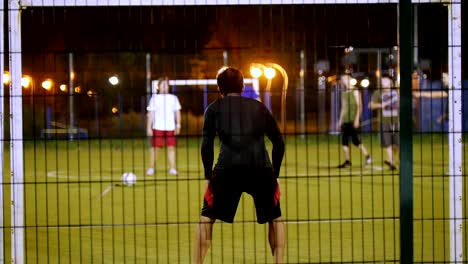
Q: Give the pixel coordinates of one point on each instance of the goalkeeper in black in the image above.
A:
(243, 164)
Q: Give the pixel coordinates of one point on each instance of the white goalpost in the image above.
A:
(204, 83)
(2, 133)
(16, 134)
(455, 133)
(15, 111)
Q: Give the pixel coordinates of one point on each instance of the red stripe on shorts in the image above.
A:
(209, 195)
(277, 194)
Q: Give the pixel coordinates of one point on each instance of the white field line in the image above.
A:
(106, 190)
(56, 174)
(378, 168)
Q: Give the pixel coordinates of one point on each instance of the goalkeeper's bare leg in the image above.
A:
(203, 237)
(276, 238)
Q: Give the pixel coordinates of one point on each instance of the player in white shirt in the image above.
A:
(163, 124)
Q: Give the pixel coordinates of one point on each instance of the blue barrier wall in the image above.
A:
(432, 112)
(366, 117)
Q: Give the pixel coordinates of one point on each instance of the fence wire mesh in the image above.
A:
(88, 75)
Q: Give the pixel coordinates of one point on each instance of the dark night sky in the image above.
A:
(166, 28)
(268, 31)
(187, 41)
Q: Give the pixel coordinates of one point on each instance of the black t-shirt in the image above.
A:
(241, 124)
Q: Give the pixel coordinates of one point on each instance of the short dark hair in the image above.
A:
(230, 80)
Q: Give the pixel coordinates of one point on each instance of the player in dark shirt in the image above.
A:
(243, 163)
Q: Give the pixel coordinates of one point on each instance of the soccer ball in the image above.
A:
(129, 178)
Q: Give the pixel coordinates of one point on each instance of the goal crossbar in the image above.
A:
(207, 2)
(202, 82)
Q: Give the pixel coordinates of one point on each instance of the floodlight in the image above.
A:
(365, 83)
(47, 84)
(269, 73)
(6, 77)
(25, 81)
(255, 71)
(114, 80)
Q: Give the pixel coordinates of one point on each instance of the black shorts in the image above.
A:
(348, 130)
(225, 189)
